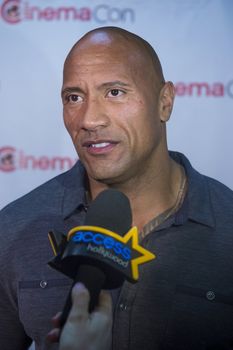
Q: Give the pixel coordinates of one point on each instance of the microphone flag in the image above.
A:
(101, 246)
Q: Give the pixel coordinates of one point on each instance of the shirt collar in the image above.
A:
(74, 190)
(197, 204)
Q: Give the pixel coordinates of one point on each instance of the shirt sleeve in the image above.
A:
(12, 333)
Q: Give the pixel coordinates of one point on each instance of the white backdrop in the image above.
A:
(193, 38)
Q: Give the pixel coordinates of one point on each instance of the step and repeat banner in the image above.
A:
(193, 39)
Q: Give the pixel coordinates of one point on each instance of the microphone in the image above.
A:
(102, 253)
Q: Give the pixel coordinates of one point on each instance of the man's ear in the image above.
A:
(166, 100)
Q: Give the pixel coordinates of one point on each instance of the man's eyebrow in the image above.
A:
(71, 89)
(110, 84)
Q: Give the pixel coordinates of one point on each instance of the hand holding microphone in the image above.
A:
(82, 330)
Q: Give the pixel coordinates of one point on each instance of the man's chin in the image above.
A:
(109, 179)
(107, 175)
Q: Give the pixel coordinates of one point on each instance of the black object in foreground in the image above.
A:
(104, 251)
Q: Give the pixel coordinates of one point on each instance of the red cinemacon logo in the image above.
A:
(15, 11)
(10, 11)
(206, 89)
(12, 159)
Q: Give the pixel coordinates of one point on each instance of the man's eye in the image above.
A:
(73, 98)
(114, 93)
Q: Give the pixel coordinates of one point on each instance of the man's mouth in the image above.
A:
(99, 145)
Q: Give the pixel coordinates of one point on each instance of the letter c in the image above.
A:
(87, 239)
(98, 239)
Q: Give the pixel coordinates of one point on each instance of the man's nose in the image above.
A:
(94, 115)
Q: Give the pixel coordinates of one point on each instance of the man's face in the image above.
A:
(111, 111)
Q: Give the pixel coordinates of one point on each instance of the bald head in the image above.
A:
(124, 40)
(115, 105)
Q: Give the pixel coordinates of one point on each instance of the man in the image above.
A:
(116, 105)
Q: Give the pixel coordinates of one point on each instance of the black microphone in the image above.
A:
(103, 252)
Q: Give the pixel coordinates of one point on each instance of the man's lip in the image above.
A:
(104, 147)
(89, 143)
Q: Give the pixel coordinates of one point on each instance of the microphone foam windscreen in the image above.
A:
(110, 210)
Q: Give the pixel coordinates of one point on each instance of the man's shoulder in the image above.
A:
(43, 198)
(220, 199)
(219, 192)
(210, 201)
(35, 197)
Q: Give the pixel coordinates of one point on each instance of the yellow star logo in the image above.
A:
(140, 255)
(146, 256)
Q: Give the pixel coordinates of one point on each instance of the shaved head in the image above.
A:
(127, 41)
(115, 105)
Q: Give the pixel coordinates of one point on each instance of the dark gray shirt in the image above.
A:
(184, 298)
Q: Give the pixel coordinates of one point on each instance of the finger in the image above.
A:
(80, 302)
(101, 321)
(54, 335)
(102, 315)
(105, 302)
(56, 320)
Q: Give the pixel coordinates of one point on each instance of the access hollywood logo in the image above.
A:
(16, 11)
(123, 252)
(12, 160)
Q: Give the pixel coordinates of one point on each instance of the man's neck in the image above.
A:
(150, 197)
(155, 198)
